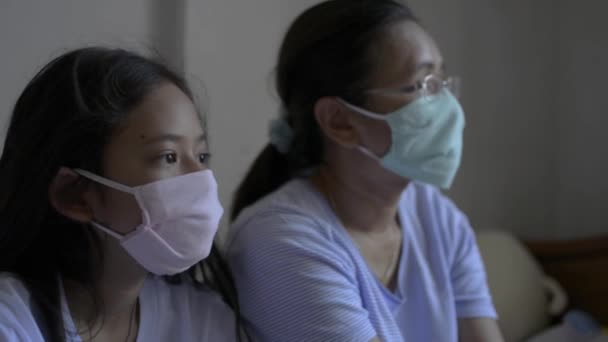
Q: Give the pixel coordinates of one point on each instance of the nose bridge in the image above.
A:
(191, 163)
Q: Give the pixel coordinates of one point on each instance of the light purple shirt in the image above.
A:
(300, 277)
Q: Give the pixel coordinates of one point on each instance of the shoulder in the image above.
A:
(292, 230)
(14, 296)
(295, 210)
(197, 309)
(428, 198)
(437, 213)
(12, 287)
(18, 322)
(297, 196)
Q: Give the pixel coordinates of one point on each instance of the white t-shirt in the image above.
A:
(167, 313)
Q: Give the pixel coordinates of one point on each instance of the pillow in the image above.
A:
(525, 298)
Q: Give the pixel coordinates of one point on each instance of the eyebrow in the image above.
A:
(429, 66)
(171, 138)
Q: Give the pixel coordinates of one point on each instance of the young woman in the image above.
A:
(345, 235)
(108, 207)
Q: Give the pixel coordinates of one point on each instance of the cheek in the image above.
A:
(377, 137)
(120, 211)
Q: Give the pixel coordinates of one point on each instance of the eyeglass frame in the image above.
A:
(452, 83)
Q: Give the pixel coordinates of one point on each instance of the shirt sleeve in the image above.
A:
(295, 283)
(17, 322)
(469, 283)
(9, 334)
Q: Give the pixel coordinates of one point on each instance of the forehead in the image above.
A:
(165, 110)
(404, 49)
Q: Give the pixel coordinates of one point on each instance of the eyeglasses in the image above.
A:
(429, 86)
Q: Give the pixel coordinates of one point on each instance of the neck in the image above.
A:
(116, 290)
(364, 204)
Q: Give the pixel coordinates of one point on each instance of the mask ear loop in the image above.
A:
(363, 111)
(107, 230)
(370, 115)
(369, 153)
(109, 183)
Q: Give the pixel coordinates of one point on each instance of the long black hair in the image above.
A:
(64, 118)
(327, 51)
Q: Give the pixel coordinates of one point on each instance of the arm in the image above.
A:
(295, 283)
(474, 307)
(478, 330)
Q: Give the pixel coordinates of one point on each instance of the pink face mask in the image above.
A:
(180, 217)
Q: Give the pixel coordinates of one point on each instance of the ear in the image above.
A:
(336, 122)
(67, 194)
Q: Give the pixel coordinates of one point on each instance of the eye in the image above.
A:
(170, 158)
(411, 88)
(203, 158)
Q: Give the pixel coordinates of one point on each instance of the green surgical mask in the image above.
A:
(426, 138)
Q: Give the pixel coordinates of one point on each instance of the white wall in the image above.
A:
(535, 81)
(503, 50)
(582, 114)
(33, 32)
(231, 45)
